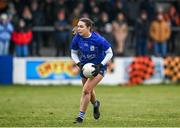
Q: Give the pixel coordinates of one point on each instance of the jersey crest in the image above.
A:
(92, 48)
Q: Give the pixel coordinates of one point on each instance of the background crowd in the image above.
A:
(133, 27)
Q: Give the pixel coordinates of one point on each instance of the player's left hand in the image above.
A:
(97, 69)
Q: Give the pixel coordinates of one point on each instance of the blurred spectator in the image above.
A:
(120, 33)
(89, 4)
(3, 5)
(132, 11)
(95, 15)
(173, 17)
(107, 7)
(150, 7)
(22, 36)
(49, 13)
(43, 13)
(74, 18)
(118, 6)
(160, 33)
(14, 18)
(12, 12)
(6, 29)
(38, 20)
(105, 28)
(59, 5)
(61, 34)
(48, 9)
(85, 14)
(141, 34)
(27, 16)
(20, 4)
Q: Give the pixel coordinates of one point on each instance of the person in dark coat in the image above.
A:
(141, 34)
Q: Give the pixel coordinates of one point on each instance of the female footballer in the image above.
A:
(89, 47)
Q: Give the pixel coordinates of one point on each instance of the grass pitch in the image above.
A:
(57, 106)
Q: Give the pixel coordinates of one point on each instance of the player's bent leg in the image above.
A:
(86, 96)
(93, 97)
(85, 99)
(83, 82)
(96, 104)
(93, 94)
(87, 89)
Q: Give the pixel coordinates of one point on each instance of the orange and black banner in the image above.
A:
(172, 68)
(141, 69)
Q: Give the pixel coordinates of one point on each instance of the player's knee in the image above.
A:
(86, 91)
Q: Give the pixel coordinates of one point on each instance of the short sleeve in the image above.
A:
(104, 44)
(74, 43)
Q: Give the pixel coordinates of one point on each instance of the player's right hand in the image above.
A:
(80, 65)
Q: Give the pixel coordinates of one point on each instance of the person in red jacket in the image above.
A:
(22, 36)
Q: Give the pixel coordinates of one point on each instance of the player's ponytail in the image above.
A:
(74, 30)
(88, 22)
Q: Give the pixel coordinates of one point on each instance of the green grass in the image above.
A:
(57, 106)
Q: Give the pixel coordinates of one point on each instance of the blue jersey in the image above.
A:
(92, 49)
